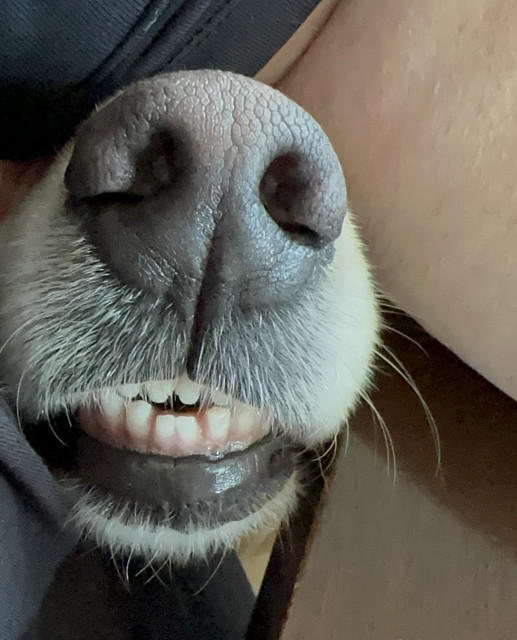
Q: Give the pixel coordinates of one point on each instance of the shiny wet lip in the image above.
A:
(188, 492)
(175, 418)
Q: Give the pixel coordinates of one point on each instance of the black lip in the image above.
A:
(178, 492)
(192, 490)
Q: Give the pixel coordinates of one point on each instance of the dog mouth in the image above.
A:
(182, 454)
(176, 418)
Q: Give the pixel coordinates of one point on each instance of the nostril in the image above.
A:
(108, 198)
(128, 171)
(161, 164)
(131, 187)
(284, 185)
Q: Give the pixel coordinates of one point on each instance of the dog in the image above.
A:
(185, 302)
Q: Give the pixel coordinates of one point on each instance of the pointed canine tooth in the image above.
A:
(159, 390)
(218, 419)
(138, 416)
(111, 405)
(188, 391)
(219, 398)
(165, 428)
(129, 390)
(188, 429)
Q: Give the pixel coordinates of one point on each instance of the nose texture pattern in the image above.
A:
(209, 189)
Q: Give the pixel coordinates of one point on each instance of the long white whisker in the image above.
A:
(395, 363)
(15, 333)
(213, 574)
(387, 327)
(155, 573)
(388, 440)
(17, 401)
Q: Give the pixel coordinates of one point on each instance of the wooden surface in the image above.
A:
(427, 557)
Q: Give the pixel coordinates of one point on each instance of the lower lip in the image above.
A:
(196, 490)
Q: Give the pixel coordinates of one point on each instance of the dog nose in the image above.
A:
(208, 189)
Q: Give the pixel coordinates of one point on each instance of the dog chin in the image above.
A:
(129, 531)
(183, 472)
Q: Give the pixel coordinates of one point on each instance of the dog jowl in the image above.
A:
(185, 299)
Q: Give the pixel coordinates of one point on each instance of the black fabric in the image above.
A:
(33, 508)
(92, 599)
(209, 601)
(59, 58)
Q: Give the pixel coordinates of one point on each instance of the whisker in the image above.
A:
(126, 572)
(213, 574)
(166, 562)
(114, 560)
(15, 333)
(347, 437)
(333, 447)
(17, 401)
(387, 327)
(396, 364)
(155, 573)
(391, 458)
(54, 433)
(146, 566)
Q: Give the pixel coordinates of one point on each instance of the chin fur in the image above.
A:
(129, 531)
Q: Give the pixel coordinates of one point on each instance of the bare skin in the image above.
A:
(418, 98)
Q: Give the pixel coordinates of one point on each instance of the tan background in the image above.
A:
(427, 557)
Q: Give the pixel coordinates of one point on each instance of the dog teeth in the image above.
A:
(158, 391)
(130, 416)
(246, 419)
(188, 429)
(218, 420)
(112, 405)
(187, 391)
(219, 398)
(165, 429)
(129, 390)
(138, 418)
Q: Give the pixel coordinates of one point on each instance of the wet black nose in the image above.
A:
(208, 189)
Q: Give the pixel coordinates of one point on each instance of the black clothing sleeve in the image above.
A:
(59, 58)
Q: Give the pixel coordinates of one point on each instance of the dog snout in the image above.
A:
(209, 189)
